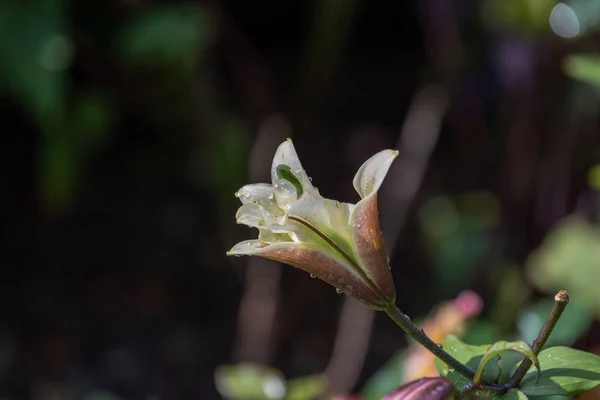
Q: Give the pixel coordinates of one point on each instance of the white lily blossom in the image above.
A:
(337, 242)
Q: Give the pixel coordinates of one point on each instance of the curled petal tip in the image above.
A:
(246, 248)
(371, 174)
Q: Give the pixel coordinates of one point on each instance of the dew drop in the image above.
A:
(358, 225)
(339, 291)
(246, 195)
(313, 276)
(310, 179)
(270, 196)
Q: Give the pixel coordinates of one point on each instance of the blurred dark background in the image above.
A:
(127, 125)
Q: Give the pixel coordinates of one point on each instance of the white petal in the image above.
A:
(285, 194)
(284, 190)
(261, 194)
(370, 175)
(270, 237)
(247, 248)
(251, 215)
(297, 232)
(329, 217)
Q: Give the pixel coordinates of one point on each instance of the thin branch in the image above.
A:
(561, 299)
(412, 330)
(404, 322)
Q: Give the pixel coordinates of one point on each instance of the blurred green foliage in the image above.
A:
(170, 36)
(457, 232)
(258, 382)
(569, 256)
(584, 67)
(35, 52)
(528, 17)
(570, 327)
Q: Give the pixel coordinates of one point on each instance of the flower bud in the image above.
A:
(436, 388)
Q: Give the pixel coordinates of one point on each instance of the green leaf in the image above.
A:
(469, 355)
(498, 348)
(513, 394)
(565, 372)
(306, 387)
(386, 379)
(584, 67)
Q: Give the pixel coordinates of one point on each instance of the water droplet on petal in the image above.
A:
(310, 179)
(339, 291)
(313, 276)
(358, 225)
(270, 196)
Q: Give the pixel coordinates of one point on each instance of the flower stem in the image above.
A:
(561, 299)
(404, 322)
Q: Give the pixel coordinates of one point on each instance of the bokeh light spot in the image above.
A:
(564, 21)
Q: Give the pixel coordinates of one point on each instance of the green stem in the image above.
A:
(404, 322)
(561, 299)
